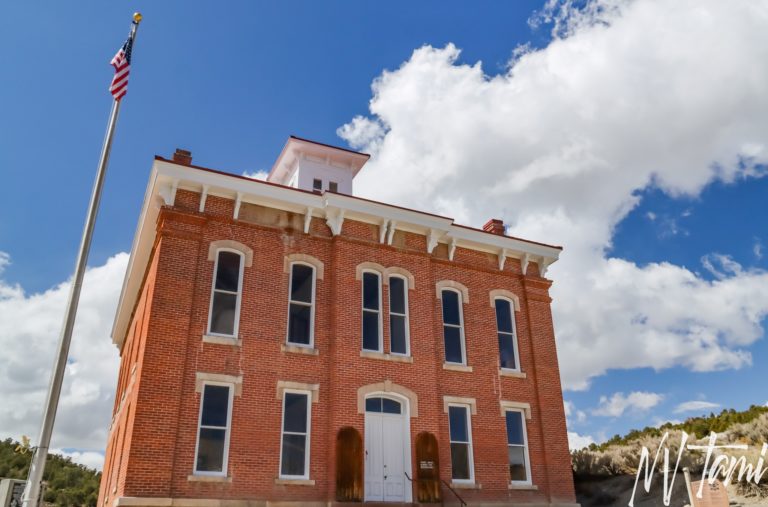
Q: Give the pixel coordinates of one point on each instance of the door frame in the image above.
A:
(405, 417)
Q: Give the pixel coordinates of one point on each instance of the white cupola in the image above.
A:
(316, 167)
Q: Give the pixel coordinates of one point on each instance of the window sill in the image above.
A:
(223, 340)
(466, 485)
(298, 349)
(370, 354)
(522, 486)
(512, 373)
(295, 482)
(457, 367)
(209, 478)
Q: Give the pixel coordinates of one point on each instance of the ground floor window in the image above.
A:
(213, 429)
(294, 455)
(517, 447)
(461, 443)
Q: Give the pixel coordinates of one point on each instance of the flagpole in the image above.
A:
(31, 497)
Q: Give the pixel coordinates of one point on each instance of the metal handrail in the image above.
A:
(461, 500)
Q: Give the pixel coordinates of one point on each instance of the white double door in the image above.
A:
(385, 454)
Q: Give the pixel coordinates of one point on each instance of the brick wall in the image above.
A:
(151, 446)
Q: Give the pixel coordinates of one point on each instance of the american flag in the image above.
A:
(122, 64)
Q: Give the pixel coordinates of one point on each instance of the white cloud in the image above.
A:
(576, 441)
(721, 266)
(638, 94)
(29, 332)
(757, 249)
(573, 415)
(257, 175)
(91, 459)
(637, 401)
(696, 406)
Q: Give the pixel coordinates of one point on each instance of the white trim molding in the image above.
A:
(307, 259)
(394, 270)
(458, 400)
(203, 377)
(504, 293)
(388, 387)
(282, 385)
(215, 246)
(368, 266)
(451, 284)
(515, 405)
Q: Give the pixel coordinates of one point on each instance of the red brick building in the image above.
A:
(285, 343)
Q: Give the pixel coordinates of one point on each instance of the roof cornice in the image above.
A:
(167, 177)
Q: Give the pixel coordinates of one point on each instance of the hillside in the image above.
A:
(605, 474)
(69, 484)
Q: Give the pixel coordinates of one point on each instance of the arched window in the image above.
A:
(505, 327)
(383, 405)
(453, 327)
(224, 314)
(399, 333)
(372, 311)
(301, 305)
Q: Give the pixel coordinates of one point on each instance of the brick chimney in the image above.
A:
(494, 226)
(182, 156)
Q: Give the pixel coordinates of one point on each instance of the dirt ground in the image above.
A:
(616, 492)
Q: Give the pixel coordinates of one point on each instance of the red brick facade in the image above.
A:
(151, 448)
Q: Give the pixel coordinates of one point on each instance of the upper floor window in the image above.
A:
(398, 316)
(505, 325)
(517, 447)
(224, 313)
(333, 186)
(460, 429)
(301, 307)
(212, 449)
(317, 185)
(371, 311)
(294, 454)
(453, 327)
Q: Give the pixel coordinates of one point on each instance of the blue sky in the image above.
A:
(231, 84)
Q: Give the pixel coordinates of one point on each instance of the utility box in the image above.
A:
(10, 492)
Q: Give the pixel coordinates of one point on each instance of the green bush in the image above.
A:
(68, 483)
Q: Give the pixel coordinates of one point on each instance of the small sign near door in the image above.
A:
(712, 495)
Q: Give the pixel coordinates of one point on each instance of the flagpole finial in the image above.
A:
(137, 17)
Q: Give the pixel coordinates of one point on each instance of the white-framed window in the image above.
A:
(460, 431)
(226, 292)
(333, 186)
(517, 447)
(301, 305)
(294, 434)
(214, 424)
(453, 327)
(317, 185)
(399, 332)
(372, 327)
(505, 329)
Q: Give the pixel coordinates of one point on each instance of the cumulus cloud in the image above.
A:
(256, 175)
(91, 459)
(637, 401)
(696, 406)
(29, 332)
(576, 441)
(573, 415)
(628, 95)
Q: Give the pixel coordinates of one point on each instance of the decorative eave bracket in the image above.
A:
(334, 218)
